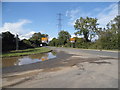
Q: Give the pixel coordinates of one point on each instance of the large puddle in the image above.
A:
(22, 60)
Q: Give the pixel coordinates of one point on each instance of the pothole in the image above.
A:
(103, 62)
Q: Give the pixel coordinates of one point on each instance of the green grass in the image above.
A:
(26, 52)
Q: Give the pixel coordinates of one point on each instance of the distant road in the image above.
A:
(94, 52)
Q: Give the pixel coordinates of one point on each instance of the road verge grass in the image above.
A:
(26, 52)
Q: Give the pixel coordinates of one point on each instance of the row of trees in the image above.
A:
(88, 27)
(9, 41)
(62, 40)
(108, 38)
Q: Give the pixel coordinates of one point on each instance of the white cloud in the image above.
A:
(14, 28)
(17, 28)
(50, 38)
(75, 14)
(27, 36)
(103, 15)
(72, 13)
(107, 15)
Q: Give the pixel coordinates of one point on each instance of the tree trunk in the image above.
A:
(86, 37)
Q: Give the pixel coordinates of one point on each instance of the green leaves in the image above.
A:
(86, 26)
(36, 38)
(63, 37)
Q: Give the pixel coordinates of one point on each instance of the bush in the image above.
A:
(8, 42)
(25, 44)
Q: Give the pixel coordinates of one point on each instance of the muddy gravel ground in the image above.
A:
(67, 70)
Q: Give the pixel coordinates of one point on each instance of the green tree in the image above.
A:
(63, 37)
(8, 41)
(36, 39)
(54, 42)
(109, 36)
(25, 44)
(87, 27)
(114, 25)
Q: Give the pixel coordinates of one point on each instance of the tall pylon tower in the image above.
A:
(59, 22)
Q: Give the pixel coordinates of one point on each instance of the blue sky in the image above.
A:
(25, 18)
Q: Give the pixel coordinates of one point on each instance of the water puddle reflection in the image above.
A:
(22, 60)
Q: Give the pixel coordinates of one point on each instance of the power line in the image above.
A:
(59, 22)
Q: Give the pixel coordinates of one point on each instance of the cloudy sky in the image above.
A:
(26, 18)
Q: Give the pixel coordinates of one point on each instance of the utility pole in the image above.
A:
(59, 22)
(17, 46)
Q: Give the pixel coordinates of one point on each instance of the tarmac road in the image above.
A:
(73, 68)
(93, 52)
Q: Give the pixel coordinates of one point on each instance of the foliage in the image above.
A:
(108, 38)
(54, 42)
(87, 27)
(63, 37)
(79, 42)
(36, 39)
(8, 41)
(25, 44)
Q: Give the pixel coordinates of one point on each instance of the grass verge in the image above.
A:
(26, 52)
